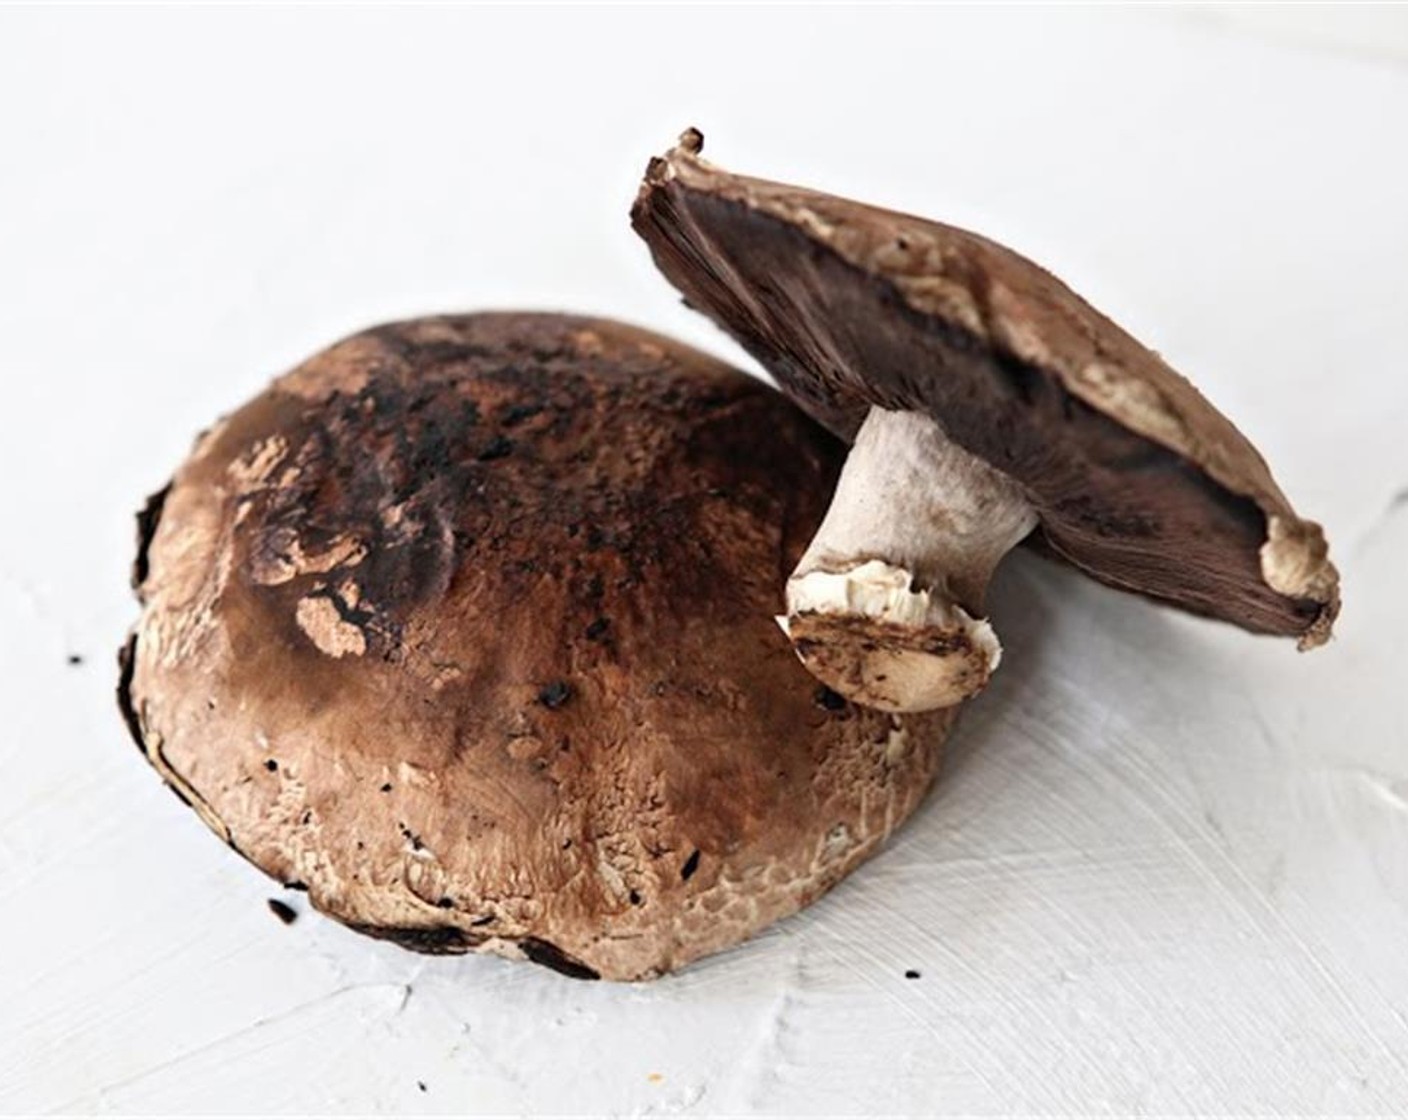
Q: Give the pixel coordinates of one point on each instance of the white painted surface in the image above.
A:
(1167, 870)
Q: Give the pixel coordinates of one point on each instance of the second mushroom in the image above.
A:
(986, 403)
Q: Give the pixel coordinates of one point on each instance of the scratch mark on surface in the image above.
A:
(178, 1060)
(25, 592)
(1269, 737)
(767, 1049)
(1166, 812)
(909, 1012)
(686, 1099)
(1396, 506)
(493, 1060)
(1388, 790)
(1385, 789)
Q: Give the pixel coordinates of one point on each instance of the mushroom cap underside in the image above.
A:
(465, 626)
(1136, 478)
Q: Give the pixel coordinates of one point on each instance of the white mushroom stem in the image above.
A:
(885, 607)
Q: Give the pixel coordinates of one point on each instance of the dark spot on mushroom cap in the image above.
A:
(271, 765)
(75, 659)
(385, 787)
(499, 447)
(516, 414)
(911, 974)
(597, 628)
(434, 940)
(554, 695)
(147, 519)
(635, 898)
(421, 1085)
(283, 911)
(691, 865)
(550, 956)
(126, 663)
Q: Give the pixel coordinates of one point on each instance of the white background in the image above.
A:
(1167, 868)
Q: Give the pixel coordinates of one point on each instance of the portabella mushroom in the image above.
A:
(987, 404)
(462, 626)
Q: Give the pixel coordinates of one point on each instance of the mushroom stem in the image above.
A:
(885, 606)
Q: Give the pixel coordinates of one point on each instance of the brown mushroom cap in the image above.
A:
(464, 625)
(1136, 478)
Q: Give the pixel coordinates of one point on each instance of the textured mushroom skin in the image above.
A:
(1137, 479)
(465, 625)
